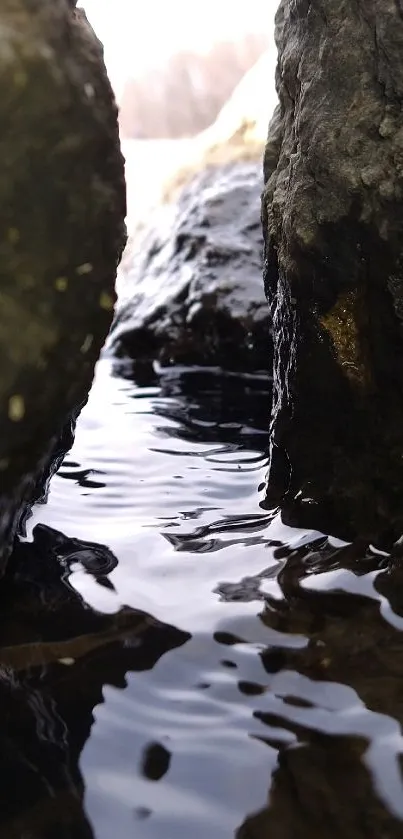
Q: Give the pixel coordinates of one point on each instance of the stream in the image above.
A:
(176, 661)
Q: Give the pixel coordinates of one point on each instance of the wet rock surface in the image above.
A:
(333, 211)
(193, 286)
(61, 235)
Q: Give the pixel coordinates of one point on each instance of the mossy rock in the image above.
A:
(62, 232)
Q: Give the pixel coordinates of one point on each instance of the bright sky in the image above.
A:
(140, 33)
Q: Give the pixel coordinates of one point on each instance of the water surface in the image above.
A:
(176, 661)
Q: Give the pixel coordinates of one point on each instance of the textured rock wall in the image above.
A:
(333, 224)
(193, 291)
(62, 231)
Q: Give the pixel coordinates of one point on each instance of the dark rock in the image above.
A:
(333, 223)
(61, 235)
(193, 291)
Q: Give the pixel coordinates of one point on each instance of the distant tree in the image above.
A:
(184, 96)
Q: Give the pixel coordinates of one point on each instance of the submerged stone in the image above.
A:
(61, 235)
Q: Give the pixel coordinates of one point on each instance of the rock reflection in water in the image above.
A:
(56, 656)
(340, 697)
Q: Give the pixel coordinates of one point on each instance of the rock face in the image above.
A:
(194, 283)
(61, 234)
(333, 224)
(191, 286)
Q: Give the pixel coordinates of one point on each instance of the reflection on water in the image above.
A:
(177, 662)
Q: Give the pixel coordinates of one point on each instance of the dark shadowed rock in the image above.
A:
(61, 235)
(333, 223)
(193, 286)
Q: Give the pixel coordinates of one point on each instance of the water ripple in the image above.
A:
(195, 666)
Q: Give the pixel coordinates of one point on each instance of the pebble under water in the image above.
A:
(176, 662)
